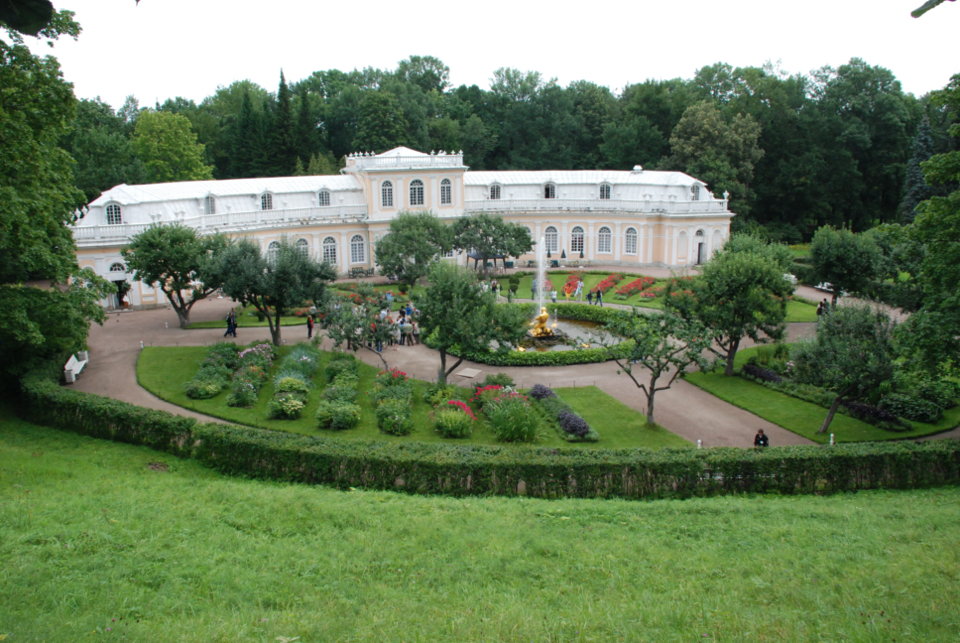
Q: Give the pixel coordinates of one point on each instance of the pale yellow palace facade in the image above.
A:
(624, 218)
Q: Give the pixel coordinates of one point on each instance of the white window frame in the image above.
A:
(323, 198)
(209, 205)
(577, 235)
(386, 194)
(358, 249)
(303, 246)
(117, 267)
(605, 240)
(551, 239)
(494, 192)
(272, 248)
(114, 214)
(605, 191)
(329, 246)
(266, 201)
(549, 190)
(446, 192)
(416, 192)
(695, 192)
(630, 236)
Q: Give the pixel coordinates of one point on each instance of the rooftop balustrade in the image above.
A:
(595, 205)
(356, 162)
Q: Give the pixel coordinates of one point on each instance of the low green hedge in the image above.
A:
(480, 470)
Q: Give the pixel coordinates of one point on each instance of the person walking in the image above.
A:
(578, 295)
(553, 296)
(761, 440)
(416, 333)
(600, 298)
(309, 326)
(231, 324)
(590, 298)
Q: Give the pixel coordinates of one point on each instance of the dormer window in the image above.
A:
(266, 201)
(694, 192)
(323, 198)
(209, 205)
(416, 192)
(604, 191)
(495, 192)
(549, 191)
(114, 215)
(446, 192)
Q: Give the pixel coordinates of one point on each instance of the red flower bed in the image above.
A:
(635, 286)
(607, 284)
(571, 286)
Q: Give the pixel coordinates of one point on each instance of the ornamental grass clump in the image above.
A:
(215, 372)
(568, 422)
(293, 382)
(338, 409)
(512, 418)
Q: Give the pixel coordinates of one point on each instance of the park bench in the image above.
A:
(362, 272)
(74, 366)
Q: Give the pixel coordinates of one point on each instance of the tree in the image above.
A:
(168, 148)
(777, 253)
(457, 313)
(381, 124)
(284, 142)
(737, 295)
(490, 236)
(354, 320)
(38, 201)
(177, 259)
(665, 345)
(413, 243)
(927, 6)
(852, 354)
(846, 260)
(271, 284)
(426, 72)
(915, 186)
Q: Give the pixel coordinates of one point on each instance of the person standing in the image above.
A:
(309, 326)
(590, 298)
(578, 295)
(231, 324)
(600, 298)
(533, 289)
(553, 296)
(761, 440)
(416, 333)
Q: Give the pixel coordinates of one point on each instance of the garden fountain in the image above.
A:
(542, 334)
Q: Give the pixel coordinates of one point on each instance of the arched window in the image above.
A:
(416, 192)
(630, 241)
(550, 238)
(695, 192)
(604, 240)
(386, 194)
(576, 239)
(114, 216)
(550, 191)
(323, 199)
(330, 250)
(358, 249)
(266, 201)
(117, 267)
(272, 251)
(210, 205)
(495, 192)
(446, 192)
(303, 247)
(604, 191)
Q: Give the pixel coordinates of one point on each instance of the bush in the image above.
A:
(437, 394)
(393, 377)
(286, 406)
(911, 407)
(762, 374)
(875, 415)
(337, 415)
(381, 393)
(393, 417)
(486, 394)
(198, 389)
(242, 394)
(501, 379)
(291, 385)
(511, 418)
(541, 391)
(453, 423)
(573, 424)
(340, 363)
(343, 394)
(303, 359)
(570, 426)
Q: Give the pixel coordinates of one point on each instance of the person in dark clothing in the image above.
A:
(590, 298)
(761, 440)
(600, 299)
(231, 324)
(309, 327)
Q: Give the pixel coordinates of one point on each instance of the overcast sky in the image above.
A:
(165, 48)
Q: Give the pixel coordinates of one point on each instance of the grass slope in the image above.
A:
(162, 371)
(96, 545)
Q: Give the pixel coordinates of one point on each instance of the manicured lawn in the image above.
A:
(163, 370)
(619, 425)
(798, 311)
(97, 535)
(589, 281)
(249, 319)
(804, 418)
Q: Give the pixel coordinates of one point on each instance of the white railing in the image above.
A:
(228, 222)
(390, 162)
(594, 205)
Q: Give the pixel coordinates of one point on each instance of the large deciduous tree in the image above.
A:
(271, 284)
(354, 320)
(737, 295)
(490, 236)
(177, 260)
(381, 124)
(852, 354)
(168, 148)
(846, 260)
(414, 241)
(664, 345)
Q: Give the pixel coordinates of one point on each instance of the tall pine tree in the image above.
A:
(284, 140)
(307, 139)
(915, 188)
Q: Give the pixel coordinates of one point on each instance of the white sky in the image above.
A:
(166, 48)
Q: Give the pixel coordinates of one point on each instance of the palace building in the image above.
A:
(601, 217)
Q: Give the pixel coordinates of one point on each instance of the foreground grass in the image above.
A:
(104, 541)
(163, 370)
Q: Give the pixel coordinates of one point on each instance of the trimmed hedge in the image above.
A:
(478, 470)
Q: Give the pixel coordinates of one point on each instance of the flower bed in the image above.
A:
(393, 399)
(455, 419)
(607, 284)
(568, 422)
(570, 287)
(250, 374)
(511, 417)
(215, 372)
(293, 382)
(633, 288)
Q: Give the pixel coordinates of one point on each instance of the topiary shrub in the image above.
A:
(541, 391)
(291, 385)
(198, 389)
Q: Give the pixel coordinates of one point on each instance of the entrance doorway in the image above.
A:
(701, 247)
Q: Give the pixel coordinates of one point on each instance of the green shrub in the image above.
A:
(198, 389)
(242, 394)
(452, 423)
(566, 421)
(303, 359)
(393, 377)
(340, 363)
(512, 418)
(500, 378)
(381, 393)
(286, 406)
(911, 407)
(223, 354)
(393, 417)
(343, 394)
(337, 415)
(437, 394)
(291, 385)
(484, 395)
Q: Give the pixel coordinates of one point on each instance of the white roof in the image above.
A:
(402, 151)
(579, 177)
(153, 192)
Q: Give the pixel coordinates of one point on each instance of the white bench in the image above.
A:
(792, 279)
(74, 365)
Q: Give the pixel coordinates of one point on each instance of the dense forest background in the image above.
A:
(794, 151)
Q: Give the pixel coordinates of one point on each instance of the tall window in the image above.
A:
(446, 192)
(266, 201)
(323, 198)
(604, 191)
(550, 238)
(330, 250)
(303, 247)
(416, 192)
(630, 241)
(117, 267)
(210, 205)
(604, 240)
(549, 191)
(272, 251)
(386, 194)
(695, 192)
(114, 217)
(576, 239)
(358, 249)
(495, 192)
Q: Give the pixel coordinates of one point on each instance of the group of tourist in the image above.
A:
(404, 330)
(492, 286)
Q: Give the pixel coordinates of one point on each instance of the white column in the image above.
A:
(641, 234)
(345, 252)
(316, 247)
(617, 241)
(676, 242)
(590, 243)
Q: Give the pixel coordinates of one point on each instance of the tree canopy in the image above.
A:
(846, 260)
(168, 148)
(490, 236)
(413, 242)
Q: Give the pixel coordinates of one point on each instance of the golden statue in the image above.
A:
(539, 324)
